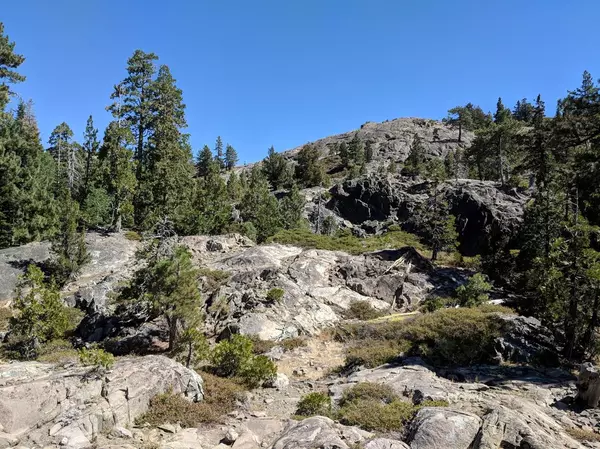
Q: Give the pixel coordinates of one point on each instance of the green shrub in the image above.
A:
(97, 358)
(220, 397)
(368, 391)
(5, 316)
(433, 303)
(132, 235)
(275, 295)
(362, 310)
(235, 358)
(474, 292)
(463, 336)
(314, 404)
(373, 415)
(57, 352)
(213, 278)
(345, 241)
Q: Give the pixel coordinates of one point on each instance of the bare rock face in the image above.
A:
(43, 404)
(483, 208)
(588, 385)
(440, 428)
(112, 259)
(320, 432)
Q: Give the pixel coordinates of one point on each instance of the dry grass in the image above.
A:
(5, 315)
(583, 435)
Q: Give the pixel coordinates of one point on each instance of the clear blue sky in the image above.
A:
(284, 72)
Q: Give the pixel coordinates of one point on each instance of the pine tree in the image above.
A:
(90, 148)
(415, 161)
(212, 209)
(292, 207)
(523, 111)
(231, 157)
(439, 225)
(461, 117)
(205, 163)
(9, 61)
(309, 171)
(68, 248)
(356, 150)
(369, 152)
(344, 154)
(133, 102)
(165, 187)
(61, 149)
(234, 187)
(276, 169)
(260, 207)
(118, 172)
(219, 154)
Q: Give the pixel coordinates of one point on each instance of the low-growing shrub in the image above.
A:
(584, 435)
(213, 278)
(289, 344)
(366, 391)
(275, 295)
(462, 336)
(96, 357)
(433, 303)
(5, 315)
(235, 358)
(314, 404)
(362, 310)
(132, 235)
(474, 292)
(261, 346)
(57, 351)
(373, 415)
(220, 397)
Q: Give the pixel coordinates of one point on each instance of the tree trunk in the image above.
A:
(587, 338)
(459, 131)
(172, 322)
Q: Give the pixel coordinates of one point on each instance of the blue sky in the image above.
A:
(285, 72)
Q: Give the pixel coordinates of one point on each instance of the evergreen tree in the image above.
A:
(344, 154)
(260, 207)
(205, 163)
(369, 152)
(356, 150)
(309, 171)
(133, 102)
(212, 209)
(67, 155)
(234, 187)
(292, 207)
(219, 154)
(68, 248)
(90, 148)
(231, 157)
(165, 188)
(118, 172)
(9, 61)
(460, 117)
(276, 169)
(415, 161)
(523, 111)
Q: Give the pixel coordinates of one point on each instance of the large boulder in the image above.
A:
(319, 432)
(441, 428)
(588, 385)
(41, 404)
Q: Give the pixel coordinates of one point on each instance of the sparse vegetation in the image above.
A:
(347, 242)
(57, 352)
(5, 316)
(474, 292)
(220, 398)
(96, 358)
(313, 404)
(584, 435)
(362, 310)
(132, 235)
(275, 295)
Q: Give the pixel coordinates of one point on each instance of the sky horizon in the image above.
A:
(278, 73)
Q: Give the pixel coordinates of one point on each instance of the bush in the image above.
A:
(365, 391)
(275, 295)
(132, 235)
(5, 316)
(373, 415)
(463, 336)
(314, 404)
(289, 344)
(235, 358)
(346, 241)
(474, 292)
(362, 310)
(57, 352)
(433, 303)
(220, 397)
(97, 358)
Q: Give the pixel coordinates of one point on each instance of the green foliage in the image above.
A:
(8, 62)
(235, 358)
(133, 236)
(192, 347)
(277, 170)
(373, 415)
(58, 351)
(415, 162)
(220, 398)
(368, 391)
(260, 207)
(447, 337)
(474, 292)
(275, 295)
(292, 207)
(231, 157)
(345, 242)
(309, 171)
(314, 404)
(40, 315)
(362, 310)
(5, 315)
(212, 209)
(96, 357)
(433, 303)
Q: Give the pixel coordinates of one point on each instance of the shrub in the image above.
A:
(58, 351)
(275, 295)
(365, 391)
(433, 303)
(235, 358)
(314, 404)
(132, 235)
(97, 358)
(213, 278)
(261, 346)
(373, 415)
(362, 310)
(220, 397)
(5, 316)
(289, 344)
(463, 336)
(474, 292)
(583, 435)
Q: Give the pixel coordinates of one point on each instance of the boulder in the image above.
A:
(320, 432)
(441, 428)
(588, 385)
(384, 443)
(78, 403)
